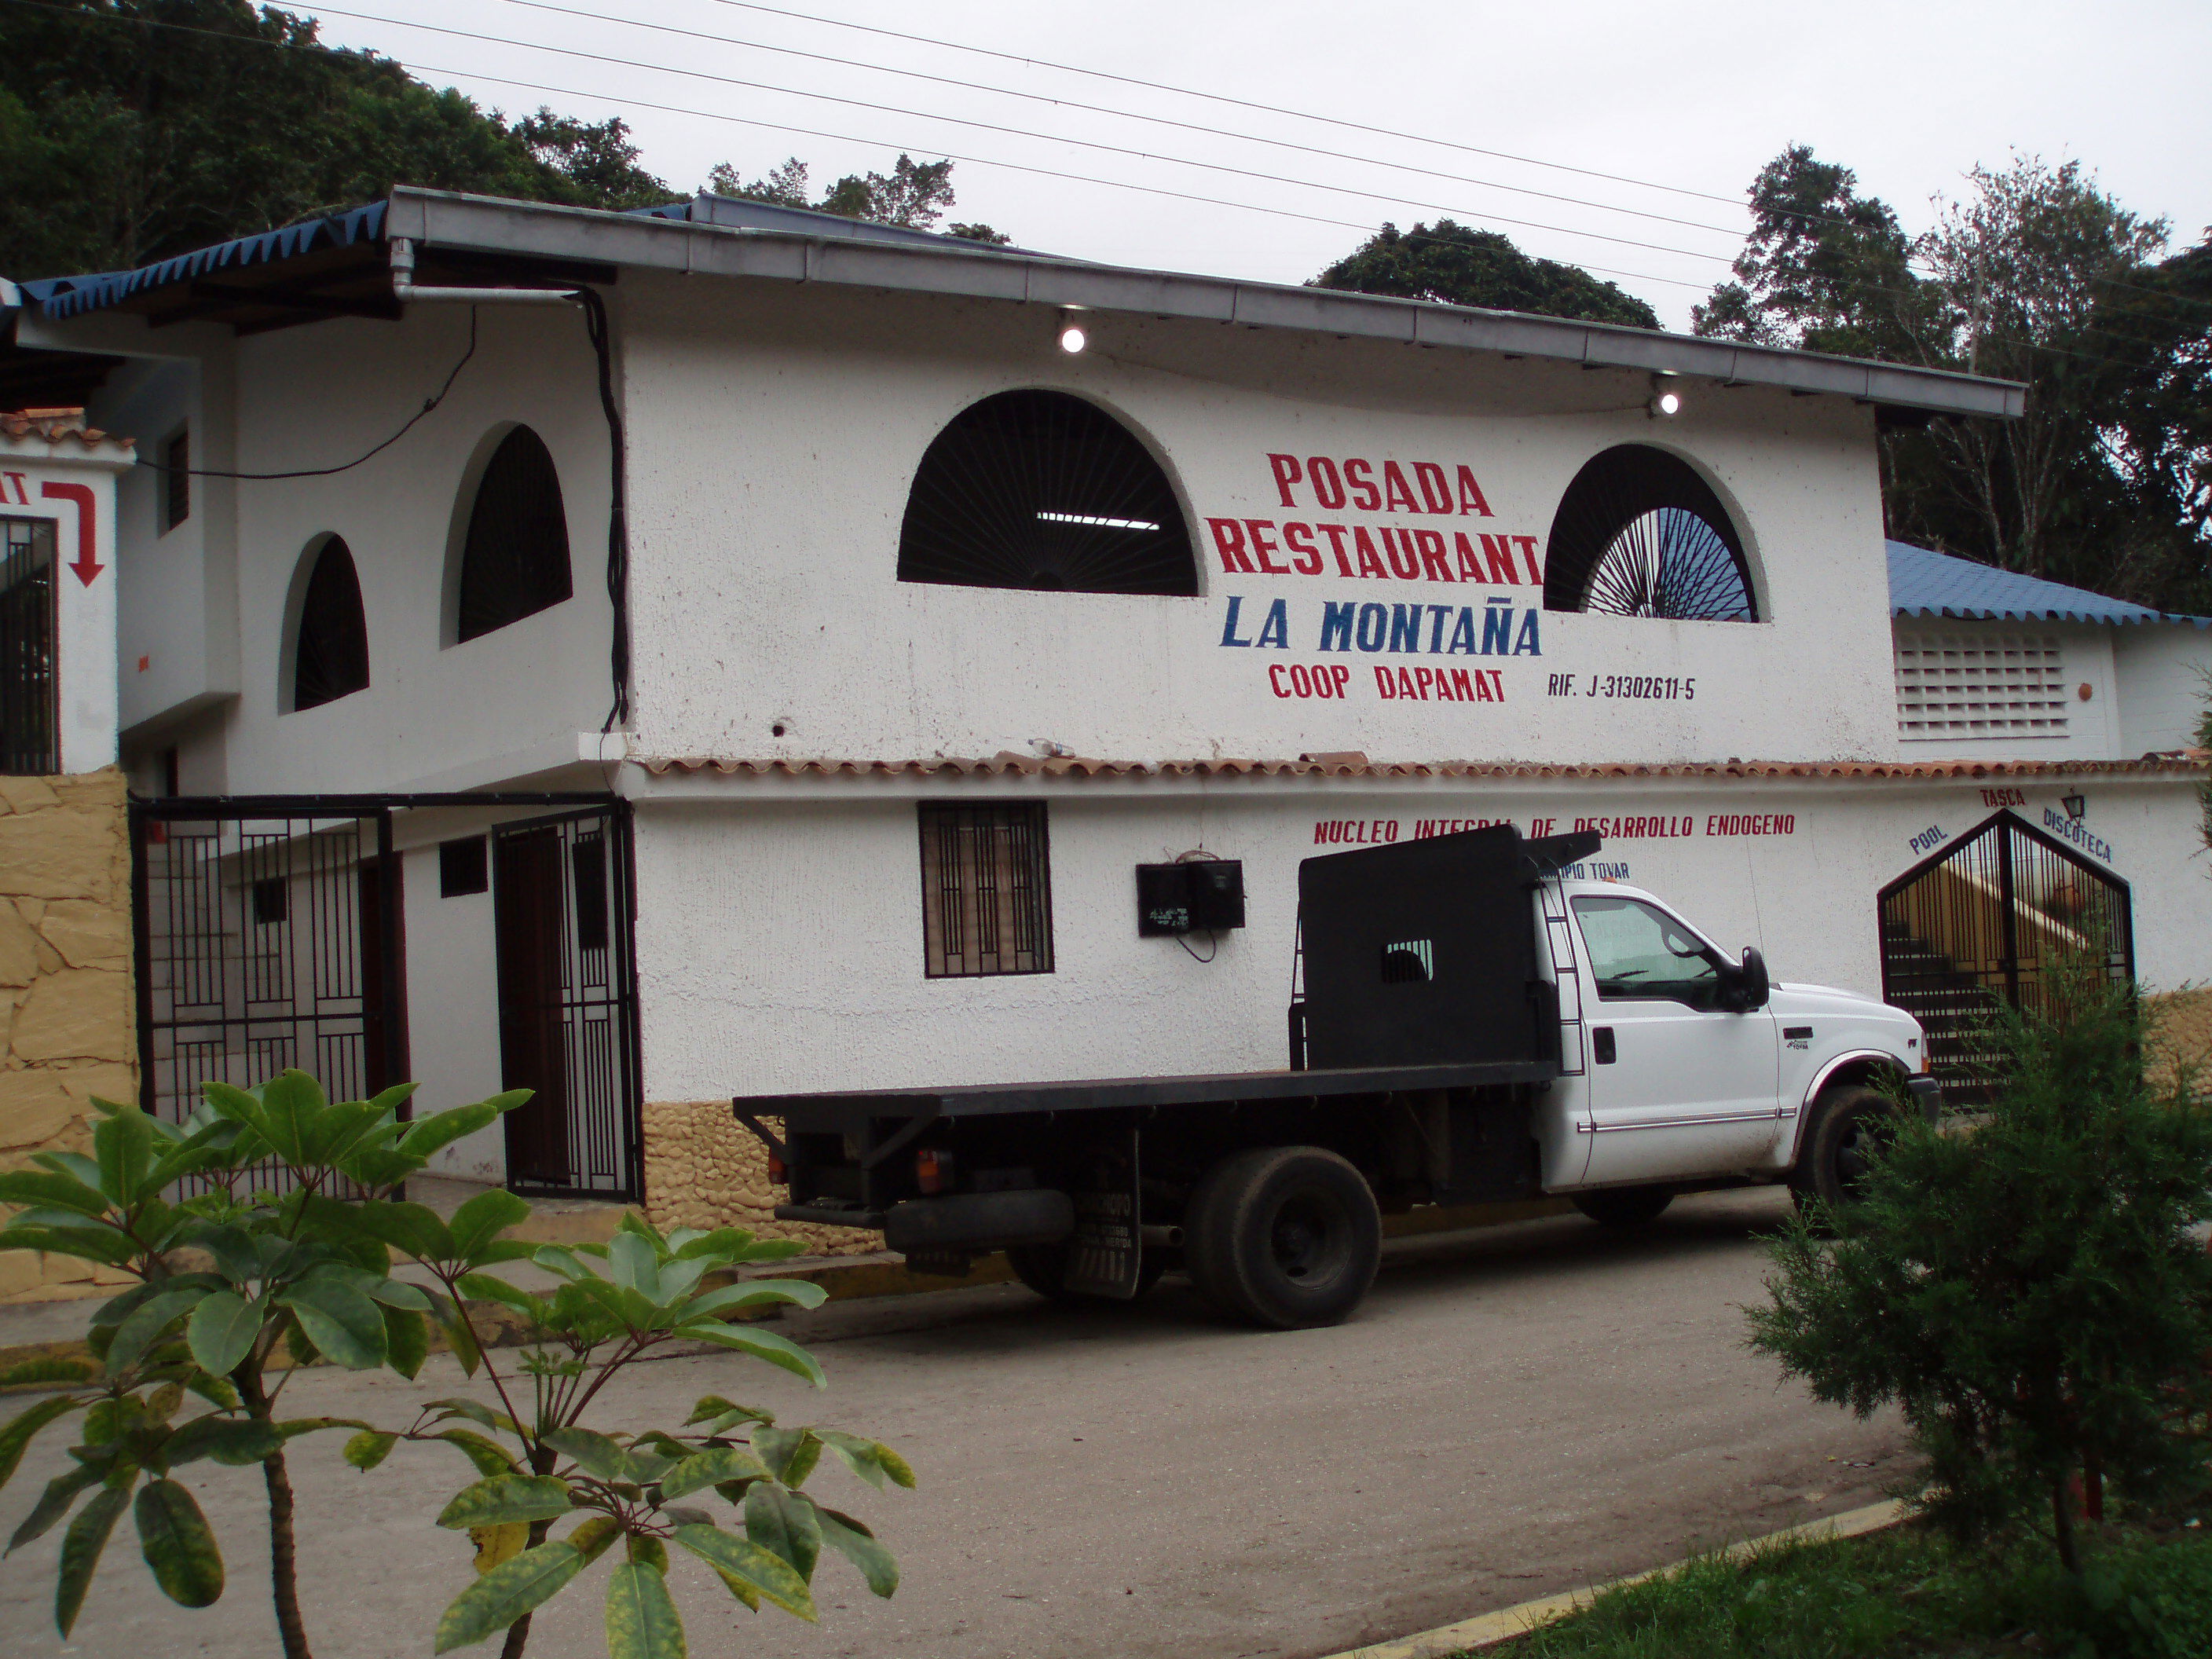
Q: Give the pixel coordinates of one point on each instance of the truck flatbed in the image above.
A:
(843, 1110)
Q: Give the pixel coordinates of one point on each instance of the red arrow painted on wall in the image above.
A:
(84, 566)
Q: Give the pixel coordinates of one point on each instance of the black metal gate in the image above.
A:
(29, 727)
(265, 938)
(562, 891)
(269, 933)
(1980, 922)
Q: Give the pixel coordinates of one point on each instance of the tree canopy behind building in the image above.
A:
(1457, 264)
(2036, 274)
(131, 131)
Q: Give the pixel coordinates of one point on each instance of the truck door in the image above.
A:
(1678, 1085)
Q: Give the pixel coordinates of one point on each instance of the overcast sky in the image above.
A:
(1696, 97)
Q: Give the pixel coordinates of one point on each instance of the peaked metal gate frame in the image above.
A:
(1945, 953)
(238, 1009)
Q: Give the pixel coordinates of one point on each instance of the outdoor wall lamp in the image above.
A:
(2075, 805)
(1072, 339)
(1665, 400)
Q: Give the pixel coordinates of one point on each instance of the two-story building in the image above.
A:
(731, 649)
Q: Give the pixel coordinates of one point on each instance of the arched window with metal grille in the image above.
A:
(514, 561)
(330, 641)
(1040, 489)
(1639, 533)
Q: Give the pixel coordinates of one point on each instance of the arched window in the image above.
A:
(1639, 534)
(514, 562)
(1039, 490)
(330, 643)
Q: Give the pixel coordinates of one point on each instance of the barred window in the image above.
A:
(986, 889)
(1980, 685)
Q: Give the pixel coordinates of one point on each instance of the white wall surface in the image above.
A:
(781, 947)
(452, 1008)
(2163, 684)
(776, 432)
(504, 705)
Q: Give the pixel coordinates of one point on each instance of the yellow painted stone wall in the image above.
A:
(704, 1168)
(66, 1016)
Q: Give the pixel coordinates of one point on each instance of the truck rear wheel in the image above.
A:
(1848, 1122)
(1285, 1236)
(1624, 1206)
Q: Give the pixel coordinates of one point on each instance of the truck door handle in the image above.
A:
(1601, 1044)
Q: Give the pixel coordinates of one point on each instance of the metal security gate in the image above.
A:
(29, 730)
(265, 938)
(1981, 922)
(561, 891)
(269, 933)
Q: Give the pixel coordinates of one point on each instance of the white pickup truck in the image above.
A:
(1468, 1026)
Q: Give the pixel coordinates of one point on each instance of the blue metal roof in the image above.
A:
(69, 296)
(1926, 583)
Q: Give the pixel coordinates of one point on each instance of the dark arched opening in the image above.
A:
(1039, 490)
(1639, 533)
(330, 647)
(514, 561)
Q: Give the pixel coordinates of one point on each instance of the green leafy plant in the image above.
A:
(241, 1284)
(2029, 1293)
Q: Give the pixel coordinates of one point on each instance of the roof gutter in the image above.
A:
(493, 225)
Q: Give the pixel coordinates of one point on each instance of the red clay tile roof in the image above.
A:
(2190, 762)
(56, 424)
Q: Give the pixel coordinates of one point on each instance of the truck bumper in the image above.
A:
(1929, 1095)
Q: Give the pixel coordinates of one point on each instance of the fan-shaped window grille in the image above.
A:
(515, 560)
(1039, 490)
(1639, 534)
(330, 652)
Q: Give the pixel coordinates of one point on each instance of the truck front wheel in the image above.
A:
(1286, 1237)
(1848, 1122)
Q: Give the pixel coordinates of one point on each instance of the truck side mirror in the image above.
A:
(1752, 987)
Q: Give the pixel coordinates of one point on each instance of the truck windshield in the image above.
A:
(1639, 953)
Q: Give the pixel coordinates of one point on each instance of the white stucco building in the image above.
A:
(897, 636)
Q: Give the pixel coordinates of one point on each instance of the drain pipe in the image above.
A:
(599, 327)
(404, 287)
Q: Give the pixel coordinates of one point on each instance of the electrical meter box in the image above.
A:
(1203, 895)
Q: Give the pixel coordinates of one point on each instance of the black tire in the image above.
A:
(1624, 1206)
(1042, 1266)
(1284, 1237)
(1847, 1120)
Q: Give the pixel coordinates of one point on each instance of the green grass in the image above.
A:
(1905, 1591)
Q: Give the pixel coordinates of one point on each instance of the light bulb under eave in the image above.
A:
(1667, 402)
(1073, 338)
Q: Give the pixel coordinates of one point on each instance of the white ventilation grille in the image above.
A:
(1980, 685)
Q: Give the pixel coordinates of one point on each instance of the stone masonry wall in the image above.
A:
(66, 1025)
(704, 1168)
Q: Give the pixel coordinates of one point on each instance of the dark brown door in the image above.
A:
(528, 897)
(383, 980)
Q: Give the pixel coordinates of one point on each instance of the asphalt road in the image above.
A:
(1514, 1412)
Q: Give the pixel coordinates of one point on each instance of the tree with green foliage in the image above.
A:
(2034, 273)
(238, 1286)
(915, 194)
(2028, 1290)
(1456, 265)
(1824, 268)
(134, 130)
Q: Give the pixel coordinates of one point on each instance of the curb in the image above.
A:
(878, 1274)
(1489, 1629)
